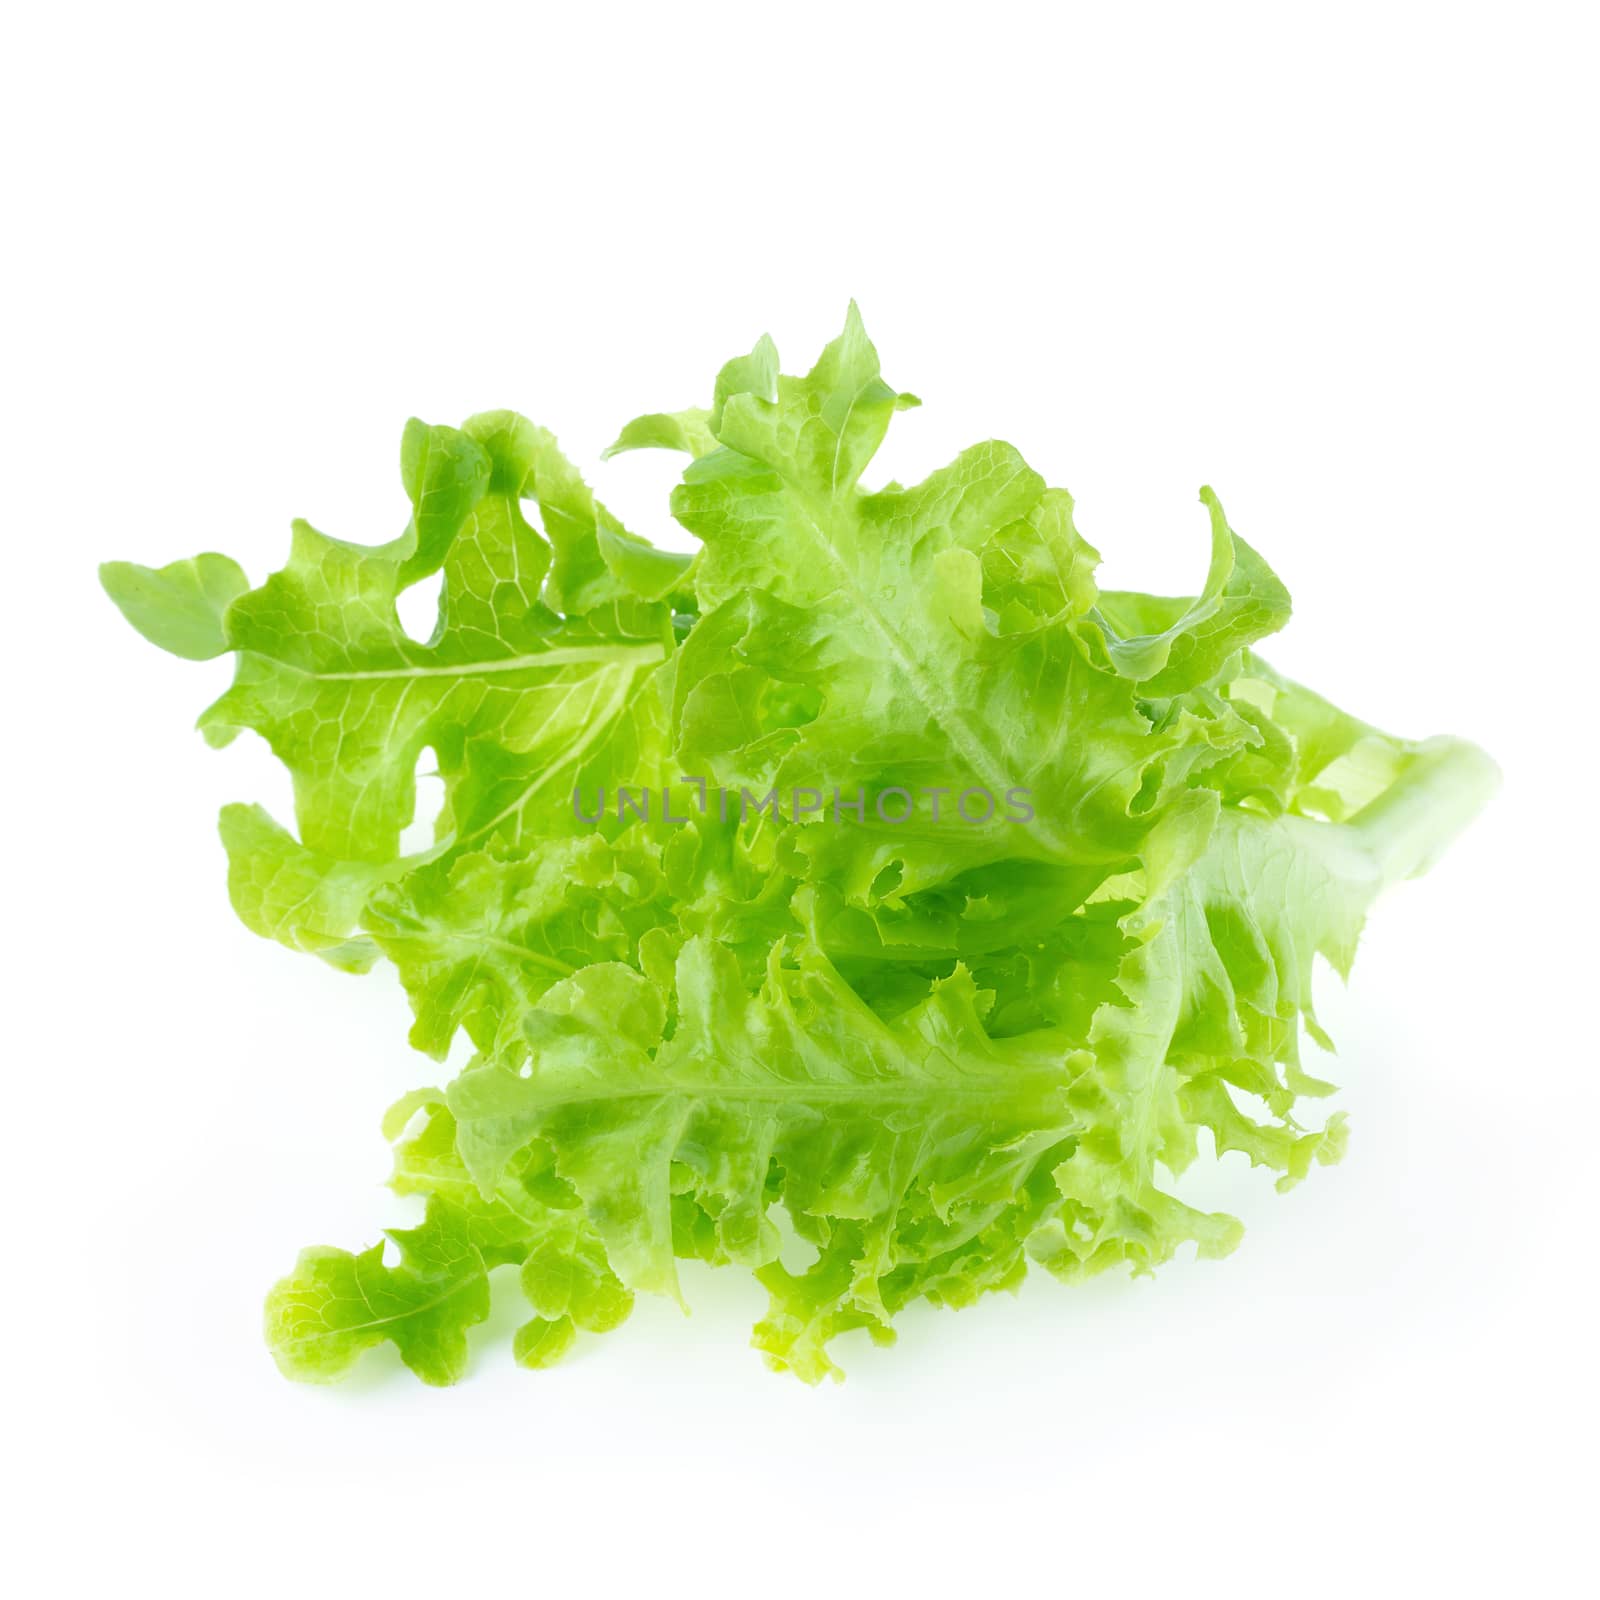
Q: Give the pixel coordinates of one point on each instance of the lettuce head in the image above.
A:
(871, 901)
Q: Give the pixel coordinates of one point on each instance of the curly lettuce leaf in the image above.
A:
(335, 1305)
(944, 636)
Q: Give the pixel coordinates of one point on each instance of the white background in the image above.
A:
(1339, 263)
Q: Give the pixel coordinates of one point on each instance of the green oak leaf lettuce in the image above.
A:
(873, 1059)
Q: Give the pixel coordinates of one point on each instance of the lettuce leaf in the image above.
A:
(874, 1058)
